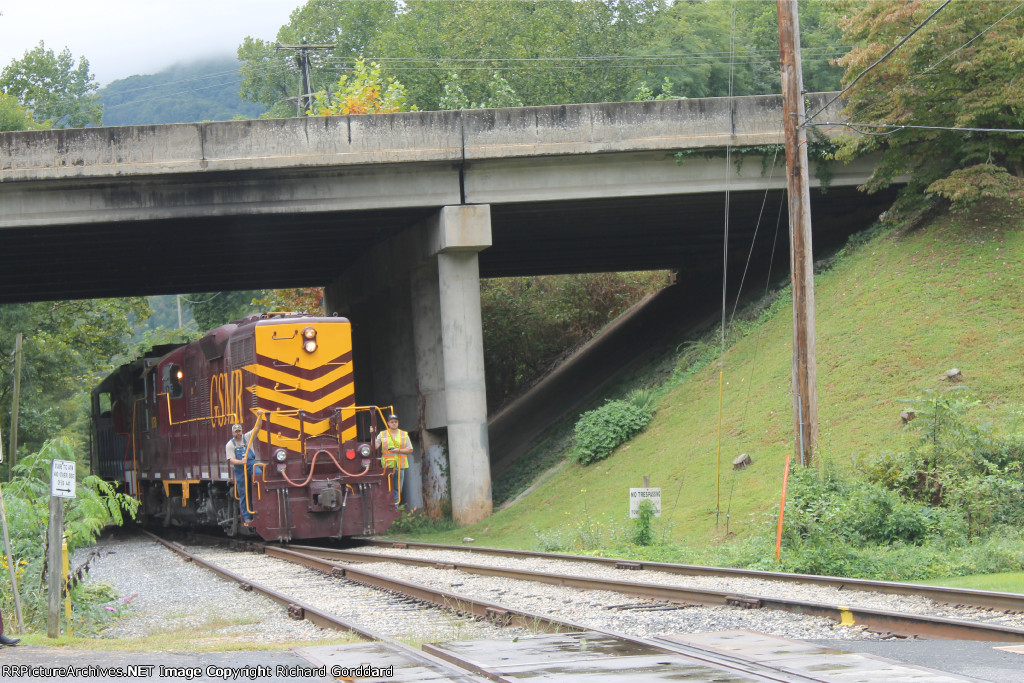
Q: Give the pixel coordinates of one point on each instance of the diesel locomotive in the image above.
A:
(160, 425)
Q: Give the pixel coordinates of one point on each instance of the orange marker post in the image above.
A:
(782, 509)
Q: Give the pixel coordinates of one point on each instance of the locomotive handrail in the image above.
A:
(245, 458)
(135, 461)
(172, 423)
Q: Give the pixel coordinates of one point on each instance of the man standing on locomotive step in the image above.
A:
(395, 447)
(242, 455)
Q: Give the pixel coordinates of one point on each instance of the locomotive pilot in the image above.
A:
(395, 447)
(241, 453)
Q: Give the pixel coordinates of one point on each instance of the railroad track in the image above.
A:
(925, 611)
(594, 649)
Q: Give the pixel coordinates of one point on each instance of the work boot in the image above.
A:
(4, 640)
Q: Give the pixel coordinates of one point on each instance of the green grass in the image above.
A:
(1006, 582)
(207, 636)
(892, 316)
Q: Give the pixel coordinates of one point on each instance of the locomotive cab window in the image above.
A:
(172, 376)
(103, 404)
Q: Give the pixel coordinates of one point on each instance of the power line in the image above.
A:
(340, 67)
(920, 74)
(896, 127)
(878, 61)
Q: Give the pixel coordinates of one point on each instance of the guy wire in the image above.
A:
(725, 265)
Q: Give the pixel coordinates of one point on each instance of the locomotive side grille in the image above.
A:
(243, 352)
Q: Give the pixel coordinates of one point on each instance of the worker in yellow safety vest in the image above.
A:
(395, 447)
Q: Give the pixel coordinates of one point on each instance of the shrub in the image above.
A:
(881, 516)
(643, 525)
(416, 521)
(96, 505)
(642, 398)
(598, 432)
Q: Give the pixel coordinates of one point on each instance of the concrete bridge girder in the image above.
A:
(415, 308)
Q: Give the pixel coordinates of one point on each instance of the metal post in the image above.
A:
(54, 541)
(805, 394)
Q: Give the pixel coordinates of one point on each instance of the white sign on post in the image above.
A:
(637, 496)
(62, 479)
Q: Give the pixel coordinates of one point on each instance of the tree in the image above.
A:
(549, 52)
(363, 91)
(13, 116)
(213, 309)
(271, 77)
(961, 70)
(707, 44)
(499, 93)
(529, 322)
(53, 88)
(68, 346)
(299, 300)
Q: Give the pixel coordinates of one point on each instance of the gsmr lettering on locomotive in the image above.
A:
(161, 424)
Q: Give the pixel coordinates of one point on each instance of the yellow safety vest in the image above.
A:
(389, 444)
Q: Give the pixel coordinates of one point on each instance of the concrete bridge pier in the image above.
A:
(418, 344)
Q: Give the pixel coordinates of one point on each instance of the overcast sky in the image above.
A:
(125, 37)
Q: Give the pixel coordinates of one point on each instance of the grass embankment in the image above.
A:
(898, 309)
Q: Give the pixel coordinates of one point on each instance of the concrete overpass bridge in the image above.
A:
(399, 216)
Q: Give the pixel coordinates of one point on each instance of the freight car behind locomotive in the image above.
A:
(161, 423)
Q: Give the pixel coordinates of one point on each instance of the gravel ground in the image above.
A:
(617, 612)
(163, 592)
(383, 613)
(159, 592)
(808, 592)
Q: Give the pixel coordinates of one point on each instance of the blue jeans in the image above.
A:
(240, 491)
(396, 482)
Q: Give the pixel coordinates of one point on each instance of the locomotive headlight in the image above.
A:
(364, 450)
(280, 455)
(309, 337)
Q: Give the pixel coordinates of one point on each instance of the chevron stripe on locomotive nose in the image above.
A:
(290, 379)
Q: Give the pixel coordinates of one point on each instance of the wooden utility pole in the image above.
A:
(805, 372)
(11, 562)
(15, 405)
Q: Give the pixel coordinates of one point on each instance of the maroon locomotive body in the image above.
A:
(162, 422)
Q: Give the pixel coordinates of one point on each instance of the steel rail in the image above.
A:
(503, 614)
(300, 610)
(994, 600)
(881, 621)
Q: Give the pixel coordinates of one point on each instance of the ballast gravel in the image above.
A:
(808, 592)
(160, 592)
